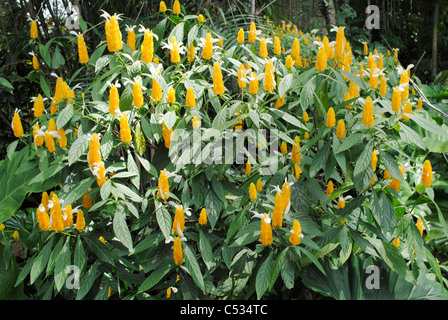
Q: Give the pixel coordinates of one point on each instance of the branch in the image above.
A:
(420, 92)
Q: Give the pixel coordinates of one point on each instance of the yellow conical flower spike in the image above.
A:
(176, 7)
(207, 53)
(419, 104)
(33, 31)
(296, 233)
(289, 62)
(407, 108)
(266, 230)
(253, 83)
(80, 221)
(277, 46)
(82, 50)
(166, 133)
(341, 203)
(252, 191)
(295, 53)
(137, 95)
(67, 216)
(284, 148)
(367, 113)
(259, 185)
(340, 129)
(383, 85)
(62, 138)
(191, 53)
(163, 186)
(396, 100)
(252, 32)
(427, 174)
(131, 38)
(269, 77)
(277, 213)
(248, 167)
(203, 217)
(296, 156)
(396, 242)
(38, 138)
(330, 188)
(331, 118)
(196, 123)
(241, 76)
(218, 84)
(49, 142)
(286, 197)
(38, 106)
(240, 37)
(147, 46)
(114, 100)
(174, 54)
(321, 60)
(162, 7)
(35, 63)
(156, 90)
(17, 125)
(56, 215)
(113, 34)
(374, 159)
(263, 48)
(420, 226)
(179, 220)
(171, 97)
(87, 200)
(201, 18)
(305, 117)
(297, 171)
(43, 219)
(16, 235)
(125, 131)
(178, 254)
(190, 99)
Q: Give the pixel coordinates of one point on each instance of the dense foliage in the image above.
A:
(112, 192)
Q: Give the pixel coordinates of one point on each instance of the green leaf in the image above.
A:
(392, 257)
(87, 281)
(205, 249)
(64, 116)
(6, 83)
(285, 84)
(191, 263)
(62, 262)
(277, 267)
(364, 160)
(192, 35)
(41, 261)
(213, 206)
(383, 211)
(128, 192)
(102, 62)
(409, 136)
(163, 218)
(320, 159)
(121, 228)
(44, 86)
(80, 255)
(247, 234)
(391, 165)
(58, 59)
(263, 277)
(428, 124)
(78, 148)
(77, 190)
(307, 93)
(14, 187)
(350, 141)
(312, 258)
(156, 275)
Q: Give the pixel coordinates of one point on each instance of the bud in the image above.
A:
(33, 31)
(125, 131)
(176, 7)
(82, 50)
(321, 60)
(218, 84)
(207, 52)
(427, 174)
(17, 125)
(296, 233)
(178, 254)
(331, 118)
(340, 129)
(240, 37)
(190, 99)
(203, 217)
(367, 113)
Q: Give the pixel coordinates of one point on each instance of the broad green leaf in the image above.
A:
(263, 277)
(163, 218)
(191, 263)
(78, 148)
(364, 160)
(390, 165)
(205, 249)
(64, 116)
(41, 261)
(121, 228)
(62, 262)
